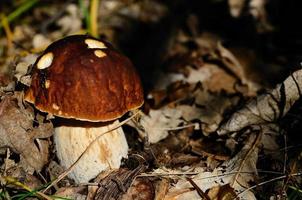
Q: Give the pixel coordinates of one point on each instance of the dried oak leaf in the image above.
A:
(17, 133)
(237, 172)
(208, 108)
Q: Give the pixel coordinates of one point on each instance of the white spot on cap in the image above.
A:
(95, 44)
(100, 53)
(55, 106)
(45, 61)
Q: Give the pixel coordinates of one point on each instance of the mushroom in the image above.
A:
(87, 85)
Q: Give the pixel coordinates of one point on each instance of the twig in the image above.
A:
(247, 156)
(177, 128)
(199, 191)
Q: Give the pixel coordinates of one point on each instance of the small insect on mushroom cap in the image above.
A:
(84, 78)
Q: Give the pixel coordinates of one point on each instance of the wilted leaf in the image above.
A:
(17, 133)
(268, 107)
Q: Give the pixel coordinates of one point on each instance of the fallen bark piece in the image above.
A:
(268, 107)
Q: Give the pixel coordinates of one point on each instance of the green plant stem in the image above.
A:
(20, 10)
(86, 15)
(94, 17)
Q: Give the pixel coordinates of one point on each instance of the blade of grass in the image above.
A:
(94, 7)
(13, 181)
(86, 15)
(7, 30)
(20, 10)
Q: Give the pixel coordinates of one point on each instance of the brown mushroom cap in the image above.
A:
(84, 78)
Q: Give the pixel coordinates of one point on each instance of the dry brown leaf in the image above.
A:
(237, 172)
(119, 182)
(75, 193)
(236, 68)
(206, 107)
(158, 122)
(224, 192)
(268, 107)
(212, 76)
(211, 108)
(162, 187)
(17, 133)
(141, 189)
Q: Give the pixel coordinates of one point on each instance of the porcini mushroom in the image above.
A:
(87, 82)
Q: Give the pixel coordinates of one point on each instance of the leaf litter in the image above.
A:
(203, 126)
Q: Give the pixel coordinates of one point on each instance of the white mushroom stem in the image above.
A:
(106, 153)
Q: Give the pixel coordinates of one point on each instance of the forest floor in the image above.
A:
(222, 112)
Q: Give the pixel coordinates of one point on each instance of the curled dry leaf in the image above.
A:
(17, 133)
(22, 67)
(213, 77)
(236, 68)
(268, 107)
